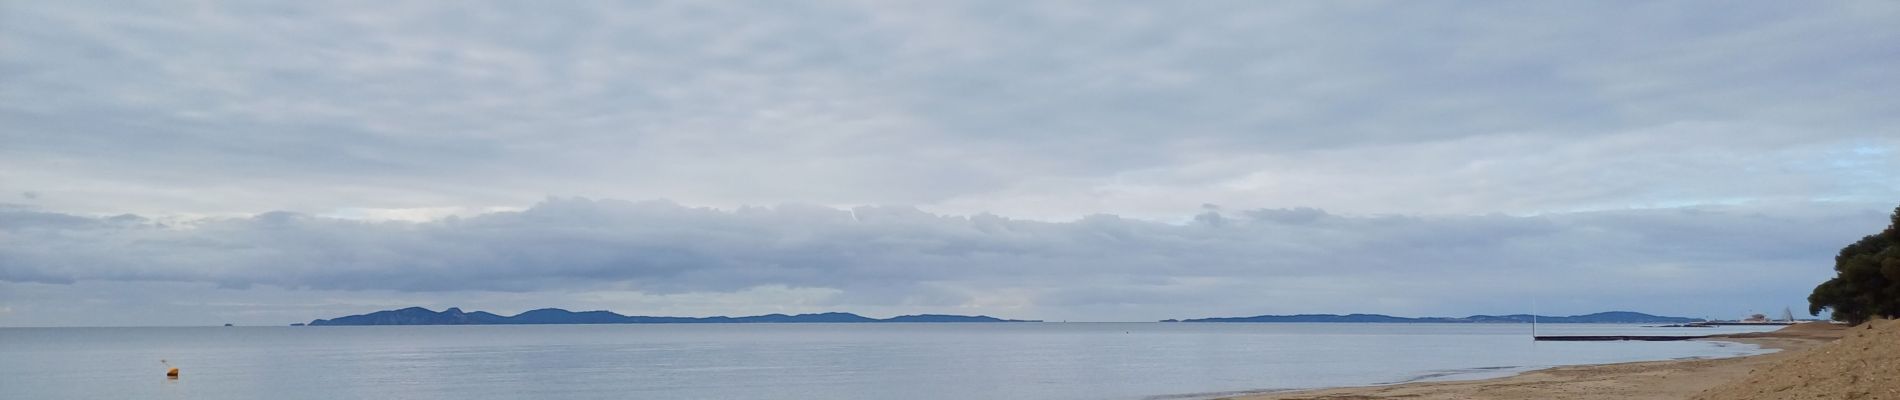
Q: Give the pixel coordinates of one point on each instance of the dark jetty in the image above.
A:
(1614, 338)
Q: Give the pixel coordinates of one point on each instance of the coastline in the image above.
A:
(1666, 379)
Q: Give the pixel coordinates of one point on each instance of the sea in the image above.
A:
(962, 361)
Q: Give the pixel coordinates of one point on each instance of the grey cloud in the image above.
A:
(980, 106)
(1102, 266)
(1289, 216)
(1695, 154)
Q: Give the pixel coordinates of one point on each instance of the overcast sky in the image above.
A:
(175, 163)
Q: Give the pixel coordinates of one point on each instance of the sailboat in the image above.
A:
(1787, 315)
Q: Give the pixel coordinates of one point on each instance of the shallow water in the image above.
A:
(792, 361)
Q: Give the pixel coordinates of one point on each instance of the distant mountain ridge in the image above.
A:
(553, 316)
(1611, 317)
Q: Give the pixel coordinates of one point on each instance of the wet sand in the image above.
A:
(1675, 379)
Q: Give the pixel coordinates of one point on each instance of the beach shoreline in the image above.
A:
(1664, 379)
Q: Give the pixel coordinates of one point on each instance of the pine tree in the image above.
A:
(1867, 280)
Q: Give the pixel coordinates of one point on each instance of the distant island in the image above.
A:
(1612, 317)
(553, 316)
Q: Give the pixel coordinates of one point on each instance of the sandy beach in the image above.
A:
(1805, 350)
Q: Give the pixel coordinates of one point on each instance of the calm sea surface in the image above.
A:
(789, 361)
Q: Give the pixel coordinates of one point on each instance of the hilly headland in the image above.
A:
(1611, 317)
(551, 316)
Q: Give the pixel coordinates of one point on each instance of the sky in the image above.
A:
(197, 163)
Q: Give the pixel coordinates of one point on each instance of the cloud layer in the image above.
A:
(1048, 111)
(1098, 267)
(1052, 160)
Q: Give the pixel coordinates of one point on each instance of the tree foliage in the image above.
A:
(1867, 280)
